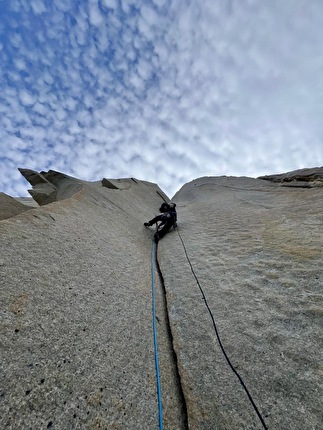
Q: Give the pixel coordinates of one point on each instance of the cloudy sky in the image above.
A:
(160, 90)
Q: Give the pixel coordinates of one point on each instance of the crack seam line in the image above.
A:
(159, 394)
(220, 342)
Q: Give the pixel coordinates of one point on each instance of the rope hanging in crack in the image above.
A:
(159, 395)
(220, 342)
(171, 338)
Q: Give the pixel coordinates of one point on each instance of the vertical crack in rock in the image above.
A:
(173, 355)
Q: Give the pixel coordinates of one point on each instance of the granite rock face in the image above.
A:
(76, 331)
(76, 320)
(256, 249)
(50, 186)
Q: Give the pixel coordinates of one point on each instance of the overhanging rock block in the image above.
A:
(108, 184)
(51, 186)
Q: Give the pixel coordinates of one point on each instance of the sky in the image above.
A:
(160, 90)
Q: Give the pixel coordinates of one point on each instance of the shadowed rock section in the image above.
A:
(299, 178)
(76, 324)
(10, 207)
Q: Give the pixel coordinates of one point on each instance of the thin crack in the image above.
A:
(173, 352)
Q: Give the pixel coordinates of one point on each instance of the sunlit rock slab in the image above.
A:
(256, 249)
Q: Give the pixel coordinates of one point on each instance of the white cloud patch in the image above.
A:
(38, 6)
(95, 15)
(160, 3)
(26, 98)
(112, 4)
(162, 90)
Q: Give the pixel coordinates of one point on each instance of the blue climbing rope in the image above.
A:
(159, 395)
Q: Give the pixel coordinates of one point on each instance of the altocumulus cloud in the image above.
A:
(162, 90)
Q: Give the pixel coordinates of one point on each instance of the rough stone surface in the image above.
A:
(256, 249)
(76, 321)
(27, 201)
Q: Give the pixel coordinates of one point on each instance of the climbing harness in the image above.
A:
(159, 395)
(219, 339)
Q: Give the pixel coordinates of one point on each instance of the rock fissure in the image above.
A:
(183, 412)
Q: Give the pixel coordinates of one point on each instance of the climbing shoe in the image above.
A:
(146, 224)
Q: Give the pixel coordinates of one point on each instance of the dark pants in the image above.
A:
(164, 229)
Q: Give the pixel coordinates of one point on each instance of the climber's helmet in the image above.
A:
(164, 207)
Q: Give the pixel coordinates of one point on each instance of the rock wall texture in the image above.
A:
(76, 319)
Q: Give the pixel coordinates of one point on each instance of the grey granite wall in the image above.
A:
(76, 324)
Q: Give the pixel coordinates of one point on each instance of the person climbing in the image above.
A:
(167, 218)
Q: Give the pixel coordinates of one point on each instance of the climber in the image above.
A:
(167, 218)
